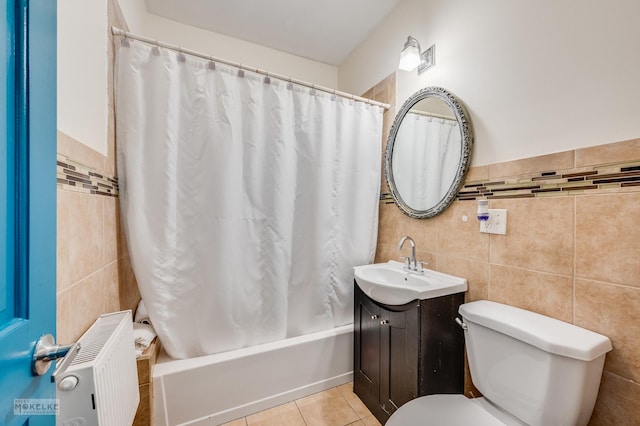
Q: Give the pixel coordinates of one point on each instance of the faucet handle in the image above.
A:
(420, 264)
(407, 262)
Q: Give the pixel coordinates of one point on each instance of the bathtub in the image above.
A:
(218, 388)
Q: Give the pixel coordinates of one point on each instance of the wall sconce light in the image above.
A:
(411, 56)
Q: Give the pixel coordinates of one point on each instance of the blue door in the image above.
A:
(27, 205)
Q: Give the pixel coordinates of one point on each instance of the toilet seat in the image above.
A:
(450, 410)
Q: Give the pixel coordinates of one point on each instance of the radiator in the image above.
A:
(100, 385)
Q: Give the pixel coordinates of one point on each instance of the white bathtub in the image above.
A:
(215, 389)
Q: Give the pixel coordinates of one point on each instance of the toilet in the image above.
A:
(532, 370)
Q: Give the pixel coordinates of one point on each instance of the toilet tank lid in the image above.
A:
(546, 333)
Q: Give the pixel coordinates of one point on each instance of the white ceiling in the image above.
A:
(322, 30)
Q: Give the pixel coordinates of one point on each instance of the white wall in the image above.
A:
(228, 48)
(536, 76)
(82, 71)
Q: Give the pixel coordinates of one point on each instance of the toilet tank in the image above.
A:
(538, 369)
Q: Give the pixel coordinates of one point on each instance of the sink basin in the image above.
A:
(390, 284)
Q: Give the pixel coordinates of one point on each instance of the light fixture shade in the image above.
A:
(409, 57)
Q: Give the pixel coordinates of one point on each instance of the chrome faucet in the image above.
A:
(410, 263)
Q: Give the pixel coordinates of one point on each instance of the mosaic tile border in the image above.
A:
(623, 175)
(555, 183)
(74, 176)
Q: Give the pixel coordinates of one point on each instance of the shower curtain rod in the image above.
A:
(432, 114)
(119, 32)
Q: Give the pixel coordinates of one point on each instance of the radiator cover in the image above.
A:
(105, 369)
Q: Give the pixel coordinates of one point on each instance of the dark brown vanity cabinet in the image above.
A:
(403, 352)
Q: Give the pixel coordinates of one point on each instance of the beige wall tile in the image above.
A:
(546, 294)
(539, 234)
(428, 259)
(424, 232)
(390, 224)
(63, 317)
(64, 224)
(111, 288)
(79, 152)
(608, 238)
(128, 287)
(618, 402)
(475, 272)
(542, 163)
(78, 307)
(123, 248)
(614, 311)
(459, 238)
(85, 234)
(386, 252)
(609, 153)
(110, 230)
(477, 173)
(110, 160)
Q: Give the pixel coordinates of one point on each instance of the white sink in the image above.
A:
(390, 284)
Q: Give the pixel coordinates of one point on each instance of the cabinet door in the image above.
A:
(366, 368)
(400, 339)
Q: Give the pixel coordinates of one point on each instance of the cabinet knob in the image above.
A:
(374, 317)
(383, 322)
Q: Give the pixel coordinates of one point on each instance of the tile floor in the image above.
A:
(334, 407)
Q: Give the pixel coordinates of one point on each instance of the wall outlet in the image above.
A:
(497, 223)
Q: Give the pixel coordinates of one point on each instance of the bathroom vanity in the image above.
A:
(405, 351)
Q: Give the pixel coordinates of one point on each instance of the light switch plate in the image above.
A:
(497, 223)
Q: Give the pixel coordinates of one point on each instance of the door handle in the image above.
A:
(46, 351)
(384, 322)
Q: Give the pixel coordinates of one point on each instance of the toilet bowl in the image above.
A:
(532, 370)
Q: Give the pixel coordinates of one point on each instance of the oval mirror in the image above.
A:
(428, 152)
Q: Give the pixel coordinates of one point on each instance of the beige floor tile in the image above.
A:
(328, 408)
(283, 415)
(239, 422)
(358, 423)
(371, 421)
(352, 399)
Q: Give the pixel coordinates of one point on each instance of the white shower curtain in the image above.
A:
(246, 200)
(425, 159)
